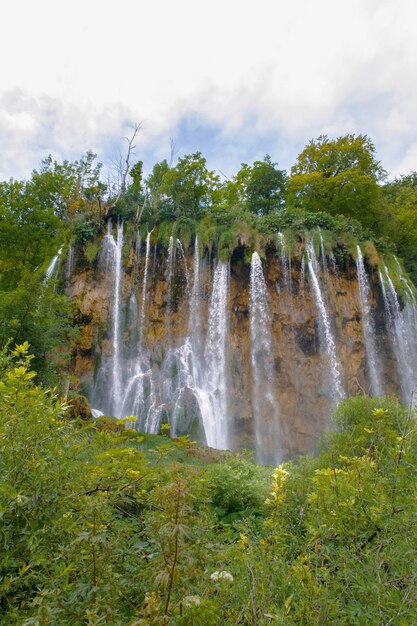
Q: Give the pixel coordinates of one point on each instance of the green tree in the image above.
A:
(31, 231)
(338, 176)
(189, 186)
(266, 187)
(69, 188)
(399, 218)
(160, 207)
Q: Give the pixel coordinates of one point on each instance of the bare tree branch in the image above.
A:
(123, 167)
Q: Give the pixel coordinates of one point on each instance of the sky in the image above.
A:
(233, 79)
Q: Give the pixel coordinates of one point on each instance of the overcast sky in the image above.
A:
(233, 79)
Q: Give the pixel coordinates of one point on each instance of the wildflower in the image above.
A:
(221, 576)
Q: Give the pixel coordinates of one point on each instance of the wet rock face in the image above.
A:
(302, 386)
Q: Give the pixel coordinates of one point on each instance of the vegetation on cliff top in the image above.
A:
(101, 525)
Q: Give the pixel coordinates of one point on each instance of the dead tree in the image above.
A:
(122, 168)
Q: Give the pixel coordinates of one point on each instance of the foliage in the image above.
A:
(34, 310)
(338, 176)
(91, 251)
(85, 227)
(100, 525)
(188, 187)
(398, 218)
(266, 187)
(69, 188)
(238, 485)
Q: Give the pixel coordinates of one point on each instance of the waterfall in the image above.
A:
(182, 255)
(194, 324)
(215, 354)
(372, 360)
(70, 262)
(322, 254)
(401, 329)
(114, 259)
(334, 264)
(324, 325)
(155, 250)
(170, 276)
(137, 257)
(133, 311)
(144, 286)
(285, 260)
(265, 411)
(170, 272)
(52, 267)
(302, 272)
(201, 391)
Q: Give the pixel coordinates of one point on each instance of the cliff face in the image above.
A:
(286, 414)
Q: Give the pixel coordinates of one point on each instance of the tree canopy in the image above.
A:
(338, 176)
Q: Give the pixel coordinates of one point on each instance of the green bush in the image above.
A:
(86, 227)
(238, 484)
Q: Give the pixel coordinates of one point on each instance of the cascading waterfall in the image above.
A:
(214, 416)
(401, 332)
(263, 398)
(52, 267)
(409, 311)
(205, 376)
(285, 262)
(336, 392)
(302, 272)
(170, 275)
(322, 254)
(372, 360)
(182, 256)
(70, 262)
(194, 324)
(114, 250)
(188, 382)
(137, 257)
(144, 287)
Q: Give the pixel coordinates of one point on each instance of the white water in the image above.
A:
(205, 376)
(372, 358)
(265, 409)
(336, 391)
(144, 286)
(137, 257)
(285, 260)
(113, 252)
(214, 413)
(170, 273)
(70, 262)
(52, 267)
(182, 256)
(189, 385)
(401, 330)
(302, 272)
(194, 323)
(322, 254)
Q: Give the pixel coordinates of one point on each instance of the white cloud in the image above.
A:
(77, 74)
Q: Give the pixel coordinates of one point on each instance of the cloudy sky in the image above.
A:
(233, 79)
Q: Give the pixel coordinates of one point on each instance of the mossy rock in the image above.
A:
(79, 407)
(109, 424)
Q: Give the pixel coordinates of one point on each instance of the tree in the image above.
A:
(399, 217)
(266, 187)
(189, 186)
(69, 188)
(160, 207)
(31, 231)
(338, 176)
